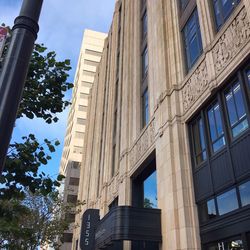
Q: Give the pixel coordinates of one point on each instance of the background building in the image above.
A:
(170, 110)
(90, 55)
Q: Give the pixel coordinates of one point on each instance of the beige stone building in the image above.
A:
(167, 149)
(89, 58)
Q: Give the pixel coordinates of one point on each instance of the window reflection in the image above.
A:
(215, 127)
(223, 9)
(245, 193)
(150, 191)
(236, 109)
(192, 39)
(227, 202)
(199, 141)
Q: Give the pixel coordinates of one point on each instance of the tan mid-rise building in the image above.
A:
(89, 58)
(167, 146)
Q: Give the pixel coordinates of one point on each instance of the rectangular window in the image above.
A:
(208, 210)
(145, 109)
(74, 181)
(223, 9)
(67, 237)
(72, 198)
(199, 141)
(236, 109)
(245, 193)
(192, 39)
(81, 121)
(82, 108)
(86, 84)
(78, 150)
(215, 127)
(84, 96)
(144, 63)
(79, 135)
(227, 202)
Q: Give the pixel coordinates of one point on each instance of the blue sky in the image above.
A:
(62, 23)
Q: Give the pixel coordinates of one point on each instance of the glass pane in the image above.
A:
(192, 39)
(211, 210)
(144, 63)
(243, 125)
(231, 108)
(245, 193)
(219, 144)
(218, 14)
(218, 119)
(212, 125)
(248, 77)
(227, 6)
(227, 202)
(150, 191)
(239, 101)
(145, 108)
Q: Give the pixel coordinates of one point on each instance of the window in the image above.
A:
(150, 191)
(215, 127)
(144, 63)
(84, 96)
(72, 198)
(67, 237)
(236, 109)
(82, 108)
(199, 141)
(222, 10)
(73, 181)
(227, 202)
(86, 84)
(78, 150)
(79, 135)
(245, 193)
(81, 121)
(145, 109)
(208, 210)
(69, 217)
(192, 39)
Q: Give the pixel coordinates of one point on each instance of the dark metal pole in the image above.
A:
(15, 68)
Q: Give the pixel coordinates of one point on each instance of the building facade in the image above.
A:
(167, 149)
(90, 55)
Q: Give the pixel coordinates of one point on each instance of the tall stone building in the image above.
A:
(90, 55)
(167, 145)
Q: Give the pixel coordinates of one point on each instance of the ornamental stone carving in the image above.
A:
(195, 86)
(231, 41)
(142, 144)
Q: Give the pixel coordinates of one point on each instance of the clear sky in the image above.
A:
(62, 23)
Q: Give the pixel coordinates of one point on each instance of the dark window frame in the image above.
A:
(237, 79)
(187, 40)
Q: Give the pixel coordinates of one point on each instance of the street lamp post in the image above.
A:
(15, 68)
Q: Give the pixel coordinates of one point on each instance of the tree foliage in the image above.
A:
(36, 221)
(29, 203)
